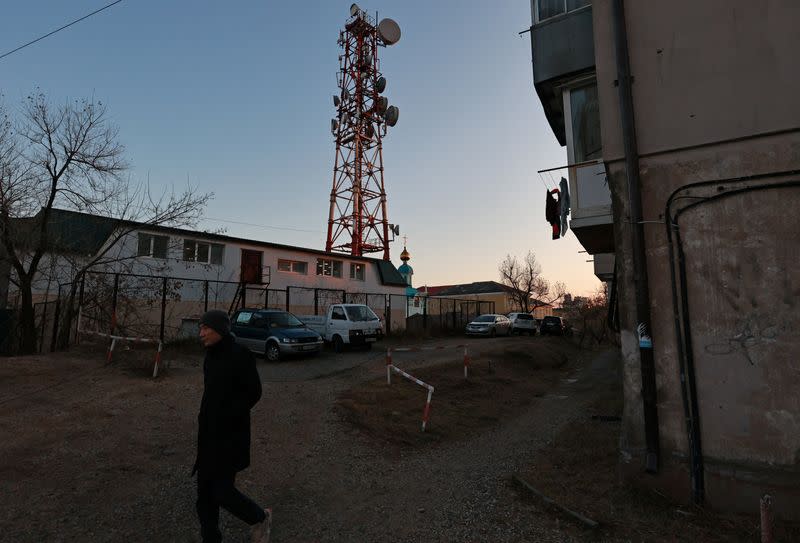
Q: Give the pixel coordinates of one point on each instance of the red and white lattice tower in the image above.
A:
(357, 223)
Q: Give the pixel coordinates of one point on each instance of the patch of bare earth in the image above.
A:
(502, 381)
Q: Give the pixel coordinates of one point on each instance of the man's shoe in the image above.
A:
(259, 533)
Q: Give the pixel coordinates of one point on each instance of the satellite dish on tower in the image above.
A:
(335, 101)
(382, 105)
(388, 30)
(380, 84)
(354, 10)
(392, 114)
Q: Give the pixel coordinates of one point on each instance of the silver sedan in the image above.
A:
(489, 325)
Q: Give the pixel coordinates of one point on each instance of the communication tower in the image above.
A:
(357, 223)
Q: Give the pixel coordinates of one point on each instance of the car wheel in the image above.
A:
(368, 347)
(272, 351)
(493, 333)
(338, 344)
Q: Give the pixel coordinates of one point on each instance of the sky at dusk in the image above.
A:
(235, 97)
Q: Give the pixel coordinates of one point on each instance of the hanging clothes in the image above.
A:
(563, 200)
(552, 212)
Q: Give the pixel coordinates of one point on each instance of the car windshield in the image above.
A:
(485, 318)
(284, 320)
(360, 313)
(554, 320)
(524, 317)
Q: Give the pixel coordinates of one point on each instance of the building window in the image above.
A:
(205, 253)
(153, 246)
(293, 266)
(357, 272)
(546, 9)
(585, 112)
(332, 268)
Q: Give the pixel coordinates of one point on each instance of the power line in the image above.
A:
(262, 225)
(59, 29)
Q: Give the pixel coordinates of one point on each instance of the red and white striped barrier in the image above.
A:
(114, 339)
(427, 411)
(417, 349)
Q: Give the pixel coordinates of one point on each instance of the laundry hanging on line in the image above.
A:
(563, 200)
(552, 211)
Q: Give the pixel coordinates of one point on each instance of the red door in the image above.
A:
(251, 266)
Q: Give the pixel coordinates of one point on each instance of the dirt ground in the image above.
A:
(103, 453)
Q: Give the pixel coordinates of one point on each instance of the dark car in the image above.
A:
(274, 333)
(553, 325)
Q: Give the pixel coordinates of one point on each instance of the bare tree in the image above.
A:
(69, 157)
(590, 315)
(527, 288)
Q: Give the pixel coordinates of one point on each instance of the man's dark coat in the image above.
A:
(232, 388)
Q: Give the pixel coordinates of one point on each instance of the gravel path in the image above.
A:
(115, 465)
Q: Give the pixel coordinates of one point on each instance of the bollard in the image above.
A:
(766, 519)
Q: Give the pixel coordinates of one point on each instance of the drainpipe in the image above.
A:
(647, 360)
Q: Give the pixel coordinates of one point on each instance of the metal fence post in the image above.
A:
(316, 301)
(80, 310)
(388, 312)
(205, 296)
(114, 304)
(163, 308)
(244, 294)
(288, 292)
(425, 317)
(44, 324)
(55, 322)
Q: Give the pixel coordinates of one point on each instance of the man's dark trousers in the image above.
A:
(215, 490)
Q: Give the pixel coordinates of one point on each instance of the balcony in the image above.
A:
(562, 47)
(590, 201)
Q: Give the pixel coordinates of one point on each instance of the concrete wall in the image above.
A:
(703, 71)
(715, 87)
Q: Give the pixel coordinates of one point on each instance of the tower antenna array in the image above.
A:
(357, 222)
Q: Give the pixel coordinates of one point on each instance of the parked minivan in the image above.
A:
(274, 333)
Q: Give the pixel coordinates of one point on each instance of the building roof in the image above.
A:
(68, 231)
(480, 287)
(76, 232)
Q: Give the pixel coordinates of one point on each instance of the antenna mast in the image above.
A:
(357, 222)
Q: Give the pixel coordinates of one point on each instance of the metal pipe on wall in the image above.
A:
(642, 292)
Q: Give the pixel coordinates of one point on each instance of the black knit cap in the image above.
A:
(217, 320)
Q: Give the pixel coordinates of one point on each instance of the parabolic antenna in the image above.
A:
(380, 84)
(388, 30)
(334, 125)
(335, 101)
(392, 114)
(382, 105)
(354, 10)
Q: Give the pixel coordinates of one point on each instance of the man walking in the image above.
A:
(232, 387)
